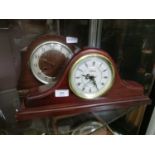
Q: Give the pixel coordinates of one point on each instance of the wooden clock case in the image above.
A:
(123, 94)
(27, 81)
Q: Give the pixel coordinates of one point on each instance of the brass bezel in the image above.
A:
(102, 91)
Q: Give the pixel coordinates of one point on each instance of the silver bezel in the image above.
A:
(31, 61)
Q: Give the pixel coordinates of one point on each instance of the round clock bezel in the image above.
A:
(34, 51)
(100, 92)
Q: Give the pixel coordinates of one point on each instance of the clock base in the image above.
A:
(51, 111)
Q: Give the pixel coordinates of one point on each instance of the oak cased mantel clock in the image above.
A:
(90, 82)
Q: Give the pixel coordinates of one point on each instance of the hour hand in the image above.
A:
(92, 78)
(84, 75)
(87, 76)
(94, 82)
(48, 62)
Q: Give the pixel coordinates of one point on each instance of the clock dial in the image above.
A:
(48, 60)
(91, 76)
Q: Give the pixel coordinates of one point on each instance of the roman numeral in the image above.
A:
(102, 84)
(39, 73)
(86, 64)
(79, 84)
(83, 88)
(35, 65)
(104, 70)
(80, 70)
(36, 56)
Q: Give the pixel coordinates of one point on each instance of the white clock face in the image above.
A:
(91, 76)
(47, 59)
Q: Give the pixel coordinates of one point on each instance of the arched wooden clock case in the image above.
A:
(121, 94)
(50, 62)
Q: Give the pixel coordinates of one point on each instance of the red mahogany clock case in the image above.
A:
(122, 94)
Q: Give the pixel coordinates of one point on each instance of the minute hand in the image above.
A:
(92, 78)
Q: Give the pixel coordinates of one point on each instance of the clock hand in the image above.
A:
(87, 83)
(92, 78)
(45, 60)
(84, 75)
(94, 82)
(87, 76)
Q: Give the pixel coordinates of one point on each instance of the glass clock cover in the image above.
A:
(48, 60)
